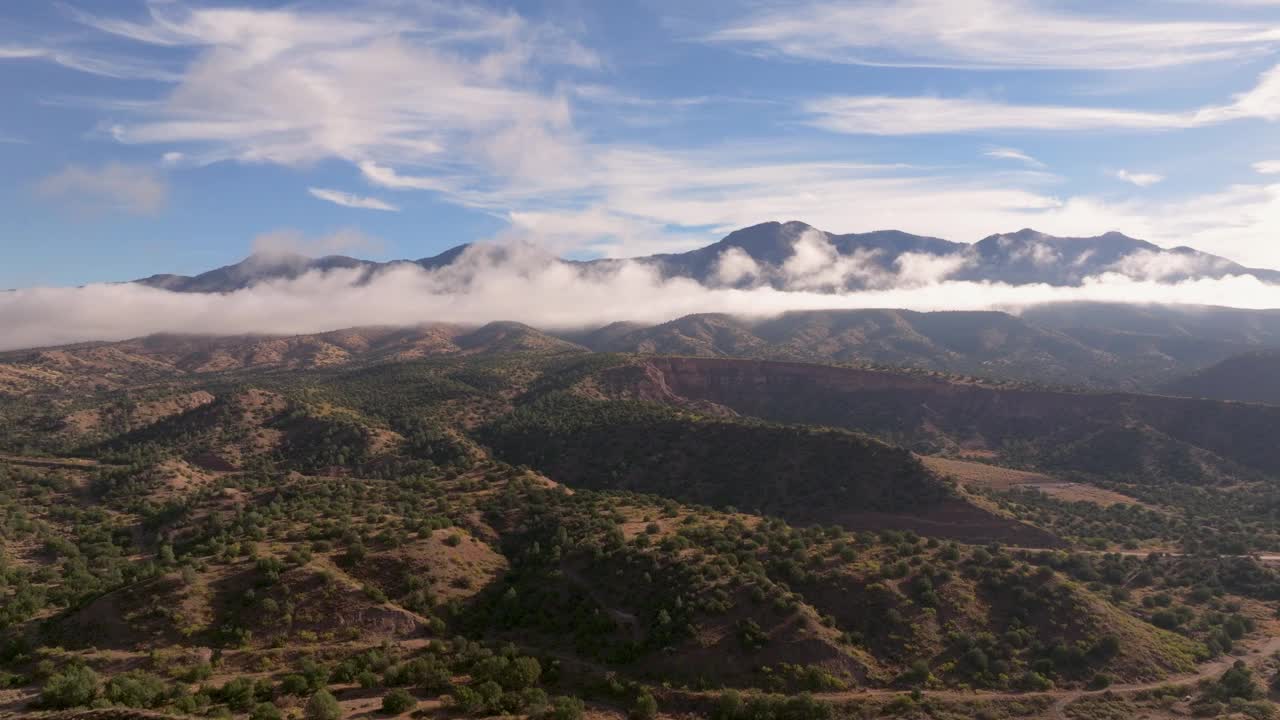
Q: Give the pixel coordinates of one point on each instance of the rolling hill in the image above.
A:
(1092, 346)
(495, 521)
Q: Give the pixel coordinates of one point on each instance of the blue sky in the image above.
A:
(166, 136)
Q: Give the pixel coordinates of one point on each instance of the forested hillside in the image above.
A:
(519, 527)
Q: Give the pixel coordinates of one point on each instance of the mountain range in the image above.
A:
(1091, 345)
(794, 255)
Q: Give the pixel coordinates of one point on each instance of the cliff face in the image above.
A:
(1042, 427)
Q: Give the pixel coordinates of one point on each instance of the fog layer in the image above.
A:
(517, 283)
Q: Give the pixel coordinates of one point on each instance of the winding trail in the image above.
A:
(1256, 656)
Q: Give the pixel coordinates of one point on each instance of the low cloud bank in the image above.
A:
(516, 282)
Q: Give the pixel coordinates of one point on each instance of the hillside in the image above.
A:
(1251, 377)
(1066, 345)
(501, 531)
(155, 358)
(991, 344)
(944, 415)
(1160, 449)
(801, 474)
(637, 585)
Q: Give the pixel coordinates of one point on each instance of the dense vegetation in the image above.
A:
(768, 469)
(522, 534)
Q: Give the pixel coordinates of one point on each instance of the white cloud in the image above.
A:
(1013, 154)
(450, 92)
(731, 189)
(91, 63)
(600, 232)
(1151, 265)
(518, 282)
(1037, 253)
(134, 189)
(816, 265)
(1237, 222)
(884, 115)
(456, 100)
(17, 52)
(1138, 178)
(289, 243)
(389, 178)
(922, 269)
(734, 266)
(987, 34)
(887, 115)
(346, 199)
(1267, 167)
(641, 195)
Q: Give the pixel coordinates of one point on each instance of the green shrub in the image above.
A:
(1100, 681)
(1236, 682)
(398, 701)
(73, 687)
(294, 685)
(323, 706)
(265, 711)
(645, 707)
(238, 694)
(564, 707)
(136, 690)
(728, 706)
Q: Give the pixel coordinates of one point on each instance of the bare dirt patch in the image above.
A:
(992, 477)
(83, 422)
(454, 563)
(177, 477)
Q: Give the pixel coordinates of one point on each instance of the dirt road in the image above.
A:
(1256, 655)
(45, 462)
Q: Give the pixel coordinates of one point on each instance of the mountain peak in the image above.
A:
(1026, 256)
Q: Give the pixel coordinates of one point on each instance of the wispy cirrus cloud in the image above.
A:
(20, 52)
(1140, 179)
(1013, 154)
(886, 115)
(432, 86)
(1267, 167)
(987, 34)
(93, 63)
(889, 115)
(346, 199)
(481, 107)
(133, 189)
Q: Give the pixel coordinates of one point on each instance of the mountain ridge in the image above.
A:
(795, 255)
(1087, 345)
